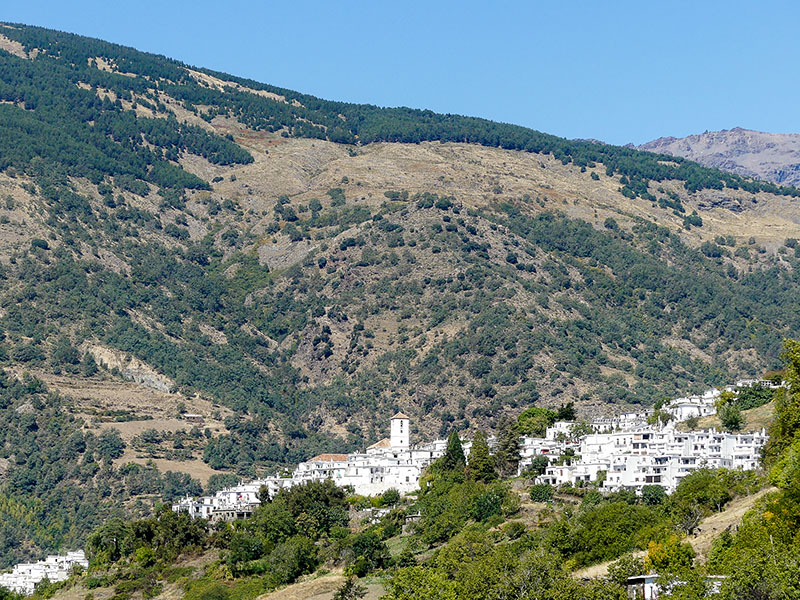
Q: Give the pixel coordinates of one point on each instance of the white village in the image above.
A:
(625, 452)
(24, 577)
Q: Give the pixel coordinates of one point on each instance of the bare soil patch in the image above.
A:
(320, 588)
(13, 47)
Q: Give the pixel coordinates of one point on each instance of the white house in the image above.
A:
(694, 406)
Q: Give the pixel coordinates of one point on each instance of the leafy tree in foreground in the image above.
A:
(351, 589)
(731, 417)
(626, 566)
(542, 492)
(367, 552)
(390, 497)
(653, 495)
(538, 465)
(109, 542)
(566, 412)
(703, 487)
(669, 556)
(534, 421)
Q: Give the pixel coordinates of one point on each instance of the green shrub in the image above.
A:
(542, 492)
(514, 530)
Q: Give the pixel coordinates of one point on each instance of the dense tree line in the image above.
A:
(53, 121)
(47, 86)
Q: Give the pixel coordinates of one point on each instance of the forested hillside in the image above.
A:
(476, 535)
(311, 267)
(68, 85)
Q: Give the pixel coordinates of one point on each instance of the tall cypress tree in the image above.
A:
(507, 453)
(453, 459)
(481, 465)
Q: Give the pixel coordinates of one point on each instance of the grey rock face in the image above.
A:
(772, 157)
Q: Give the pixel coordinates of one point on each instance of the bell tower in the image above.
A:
(400, 431)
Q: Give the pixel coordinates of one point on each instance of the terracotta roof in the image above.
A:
(384, 443)
(399, 416)
(329, 457)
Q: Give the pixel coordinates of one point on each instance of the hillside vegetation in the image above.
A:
(478, 536)
(61, 83)
(298, 270)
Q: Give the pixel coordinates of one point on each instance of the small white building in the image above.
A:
(623, 422)
(694, 406)
(643, 587)
(646, 587)
(559, 430)
(761, 382)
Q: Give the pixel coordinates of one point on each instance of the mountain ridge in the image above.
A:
(771, 157)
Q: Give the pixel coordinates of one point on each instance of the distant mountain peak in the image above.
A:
(771, 157)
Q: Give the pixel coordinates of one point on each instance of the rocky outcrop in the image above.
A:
(772, 157)
(130, 368)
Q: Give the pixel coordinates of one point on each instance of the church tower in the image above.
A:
(400, 431)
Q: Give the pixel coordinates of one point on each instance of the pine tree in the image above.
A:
(566, 412)
(507, 453)
(351, 589)
(481, 465)
(731, 417)
(453, 459)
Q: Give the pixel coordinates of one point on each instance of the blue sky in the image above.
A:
(620, 71)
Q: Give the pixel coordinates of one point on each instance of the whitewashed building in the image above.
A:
(656, 456)
(623, 422)
(557, 441)
(390, 463)
(24, 577)
(630, 453)
(694, 406)
(647, 587)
